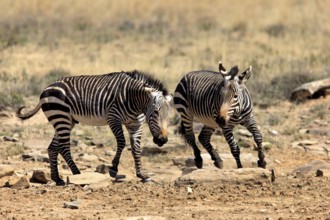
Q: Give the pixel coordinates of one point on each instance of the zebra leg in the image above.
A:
(135, 131)
(116, 128)
(188, 133)
(251, 125)
(53, 154)
(235, 151)
(204, 138)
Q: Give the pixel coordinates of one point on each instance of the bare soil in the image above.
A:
(291, 196)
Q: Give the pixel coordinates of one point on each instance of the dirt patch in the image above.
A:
(291, 195)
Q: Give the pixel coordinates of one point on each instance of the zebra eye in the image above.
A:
(235, 96)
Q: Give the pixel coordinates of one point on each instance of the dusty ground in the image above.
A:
(289, 197)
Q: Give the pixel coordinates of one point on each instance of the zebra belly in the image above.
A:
(94, 121)
(210, 122)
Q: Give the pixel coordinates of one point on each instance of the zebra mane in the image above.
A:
(148, 80)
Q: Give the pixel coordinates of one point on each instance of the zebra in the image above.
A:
(218, 101)
(113, 99)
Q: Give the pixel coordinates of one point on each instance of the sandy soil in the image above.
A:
(289, 197)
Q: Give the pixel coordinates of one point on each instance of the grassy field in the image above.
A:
(286, 42)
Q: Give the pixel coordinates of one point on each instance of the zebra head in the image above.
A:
(157, 112)
(230, 95)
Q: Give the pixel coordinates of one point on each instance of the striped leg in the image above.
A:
(53, 154)
(235, 151)
(204, 138)
(187, 128)
(251, 125)
(135, 131)
(116, 128)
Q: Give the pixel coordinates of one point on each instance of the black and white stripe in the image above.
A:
(217, 101)
(114, 99)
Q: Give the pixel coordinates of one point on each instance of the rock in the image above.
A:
(312, 167)
(314, 147)
(313, 89)
(165, 174)
(87, 157)
(318, 132)
(88, 178)
(74, 143)
(6, 170)
(12, 139)
(35, 157)
(40, 176)
(147, 151)
(231, 176)
(323, 172)
(228, 161)
(103, 168)
(97, 144)
(72, 205)
(21, 183)
(273, 132)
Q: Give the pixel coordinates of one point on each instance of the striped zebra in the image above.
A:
(218, 101)
(114, 99)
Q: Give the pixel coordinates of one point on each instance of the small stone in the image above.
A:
(277, 161)
(40, 176)
(88, 157)
(244, 133)
(189, 189)
(273, 132)
(74, 143)
(12, 139)
(103, 168)
(322, 172)
(308, 142)
(72, 205)
(41, 191)
(22, 183)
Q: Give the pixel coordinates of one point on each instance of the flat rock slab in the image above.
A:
(6, 170)
(235, 176)
(88, 178)
(140, 218)
(248, 161)
(312, 167)
(165, 174)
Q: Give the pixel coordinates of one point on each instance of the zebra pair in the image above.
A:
(130, 98)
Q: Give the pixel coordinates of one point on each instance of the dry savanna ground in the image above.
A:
(286, 42)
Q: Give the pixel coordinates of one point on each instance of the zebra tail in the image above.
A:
(28, 114)
(181, 129)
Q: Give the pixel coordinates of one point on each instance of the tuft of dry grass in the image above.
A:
(280, 39)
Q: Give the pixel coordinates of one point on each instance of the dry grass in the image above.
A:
(282, 40)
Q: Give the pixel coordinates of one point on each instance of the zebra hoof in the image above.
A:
(113, 173)
(218, 164)
(262, 164)
(199, 163)
(60, 183)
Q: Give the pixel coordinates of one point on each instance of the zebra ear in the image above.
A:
(168, 97)
(222, 70)
(245, 75)
(233, 72)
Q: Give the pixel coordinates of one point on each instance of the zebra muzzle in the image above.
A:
(160, 141)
